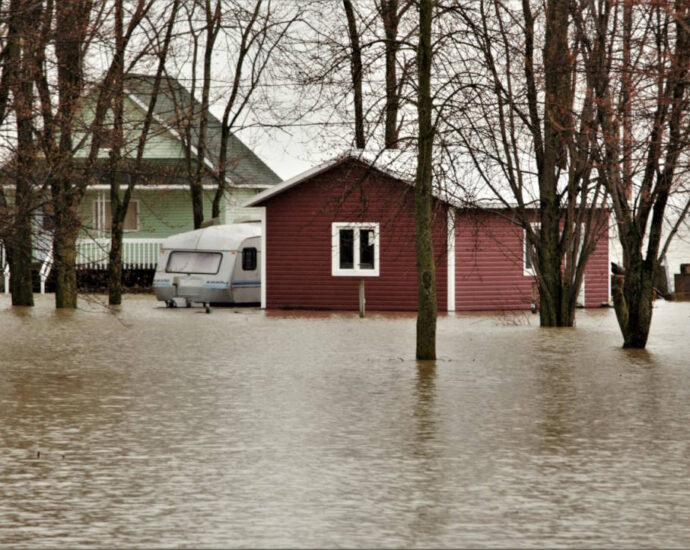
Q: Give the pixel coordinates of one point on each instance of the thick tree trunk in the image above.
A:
(20, 244)
(632, 296)
(197, 203)
(115, 267)
(64, 264)
(21, 71)
(19, 254)
(426, 269)
(555, 298)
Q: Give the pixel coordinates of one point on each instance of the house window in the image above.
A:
(103, 216)
(355, 250)
(528, 266)
(249, 259)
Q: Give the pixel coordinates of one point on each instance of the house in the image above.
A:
(161, 204)
(347, 221)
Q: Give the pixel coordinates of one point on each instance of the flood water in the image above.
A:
(160, 428)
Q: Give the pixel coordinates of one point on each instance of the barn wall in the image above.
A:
(489, 273)
(298, 242)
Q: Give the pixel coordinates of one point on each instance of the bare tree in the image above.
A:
(529, 130)
(426, 269)
(255, 31)
(639, 54)
(65, 132)
(19, 67)
(119, 201)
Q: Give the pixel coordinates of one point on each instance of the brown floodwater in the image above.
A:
(159, 428)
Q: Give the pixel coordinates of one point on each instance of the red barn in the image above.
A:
(345, 221)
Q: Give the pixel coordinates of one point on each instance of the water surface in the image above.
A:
(162, 428)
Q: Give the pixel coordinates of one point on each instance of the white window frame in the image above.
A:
(100, 218)
(336, 270)
(527, 271)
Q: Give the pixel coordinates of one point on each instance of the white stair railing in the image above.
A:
(46, 266)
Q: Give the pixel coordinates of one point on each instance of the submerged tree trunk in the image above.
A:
(555, 296)
(20, 247)
(426, 270)
(115, 266)
(65, 257)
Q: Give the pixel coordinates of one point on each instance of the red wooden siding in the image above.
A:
(298, 242)
(489, 272)
(597, 271)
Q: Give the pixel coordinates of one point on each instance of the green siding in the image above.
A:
(164, 212)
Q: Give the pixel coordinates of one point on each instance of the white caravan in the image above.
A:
(215, 264)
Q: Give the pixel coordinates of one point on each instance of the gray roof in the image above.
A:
(172, 107)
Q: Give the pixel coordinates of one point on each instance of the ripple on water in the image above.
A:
(158, 427)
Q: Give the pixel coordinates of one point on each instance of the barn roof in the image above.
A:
(174, 103)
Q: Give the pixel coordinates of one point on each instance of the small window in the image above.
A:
(528, 266)
(355, 249)
(249, 259)
(206, 263)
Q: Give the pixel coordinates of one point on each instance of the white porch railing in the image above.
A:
(93, 254)
(136, 253)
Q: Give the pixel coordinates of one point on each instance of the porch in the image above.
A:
(92, 254)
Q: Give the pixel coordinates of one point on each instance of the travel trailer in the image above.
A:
(216, 264)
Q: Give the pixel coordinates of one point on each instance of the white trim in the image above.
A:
(262, 214)
(169, 128)
(356, 271)
(451, 259)
(527, 271)
(581, 299)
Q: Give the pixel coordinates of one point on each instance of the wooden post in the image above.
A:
(362, 299)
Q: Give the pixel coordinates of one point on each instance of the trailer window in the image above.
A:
(355, 249)
(206, 263)
(249, 259)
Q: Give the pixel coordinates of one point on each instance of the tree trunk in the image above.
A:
(389, 12)
(19, 253)
(64, 263)
(426, 269)
(632, 296)
(554, 297)
(20, 248)
(115, 266)
(356, 68)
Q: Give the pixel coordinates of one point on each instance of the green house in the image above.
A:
(161, 203)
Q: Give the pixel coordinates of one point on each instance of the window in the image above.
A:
(103, 216)
(528, 267)
(206, 263)
(355, 249)
(249, 259)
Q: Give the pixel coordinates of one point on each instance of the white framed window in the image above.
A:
(355, 249)
(102, 215)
